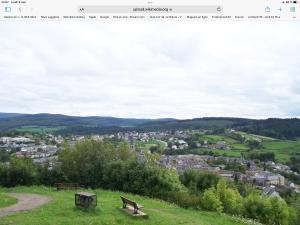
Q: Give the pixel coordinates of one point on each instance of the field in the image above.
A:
(283, 149)
(61, 211)
(39, 129)
(148, 144)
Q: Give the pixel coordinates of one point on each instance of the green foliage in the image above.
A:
(234, 166)
(4, 156)
(48, 176)
(233, 202)
(245, 188)
(184, 199)
(295, 164)
(230, 198)
(258, 208)
(264, 156)
(21, 171)
(139, 178)
(280, 211)
(267, 210)
(39, 129)
(276, 128)
(211, 200)
(254, 144)
(197, 181)
(85, 162)
(124, 152)
(61, 211)
(227, 199)
(99, 164)
(6, 200)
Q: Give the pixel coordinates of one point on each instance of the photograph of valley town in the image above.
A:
(156, 123)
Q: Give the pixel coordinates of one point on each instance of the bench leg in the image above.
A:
(135, 211)
(124, 205)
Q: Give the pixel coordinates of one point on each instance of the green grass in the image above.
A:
(283, 149)
(215, 138)
(148, 144)
(39, 129)
(239, 146)
(6, 200)
(254, 136)
(61, 211)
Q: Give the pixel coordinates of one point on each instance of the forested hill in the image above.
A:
(273, 127)
(12, 120)
(9, 115)
(277, 128)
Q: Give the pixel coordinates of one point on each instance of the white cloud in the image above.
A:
(144, 69)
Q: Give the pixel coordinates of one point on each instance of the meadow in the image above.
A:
(39, 129)
(283, 149)
(61, 211)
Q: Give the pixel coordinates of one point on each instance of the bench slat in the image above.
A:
(132, 203)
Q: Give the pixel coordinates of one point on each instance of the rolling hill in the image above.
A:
(63, 124)
(11, 121)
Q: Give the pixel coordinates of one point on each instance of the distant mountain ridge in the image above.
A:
(9, 115)
(273, 127)
(14, 120)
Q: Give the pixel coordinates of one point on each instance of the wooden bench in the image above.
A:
(66, 186)
(135, 206)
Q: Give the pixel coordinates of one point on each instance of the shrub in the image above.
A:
(211, 200)
(184, 199)
(197, 181)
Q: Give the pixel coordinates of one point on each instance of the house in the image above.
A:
(270, 192)
(265, 178)
(221, 145)
(182, 144)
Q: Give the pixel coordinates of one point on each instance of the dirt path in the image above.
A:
(25, 202)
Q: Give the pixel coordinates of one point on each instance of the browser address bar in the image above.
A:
(149, 9)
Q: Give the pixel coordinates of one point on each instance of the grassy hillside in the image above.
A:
(283, 149)
(39, 129)
(61, 211)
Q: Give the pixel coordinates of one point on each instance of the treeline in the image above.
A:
(94, 164)
(236, 198)
(276, 128)
(101, 164)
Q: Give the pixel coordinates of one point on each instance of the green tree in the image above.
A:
(197, 181)
(84, 163)
(211, 200)
(231, 199)
(22, 171)
(124, 152)
(280, 211)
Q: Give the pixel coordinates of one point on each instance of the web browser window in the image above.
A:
(150, 10)
(151, 112)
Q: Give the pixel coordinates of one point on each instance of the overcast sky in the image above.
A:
(151, 70)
